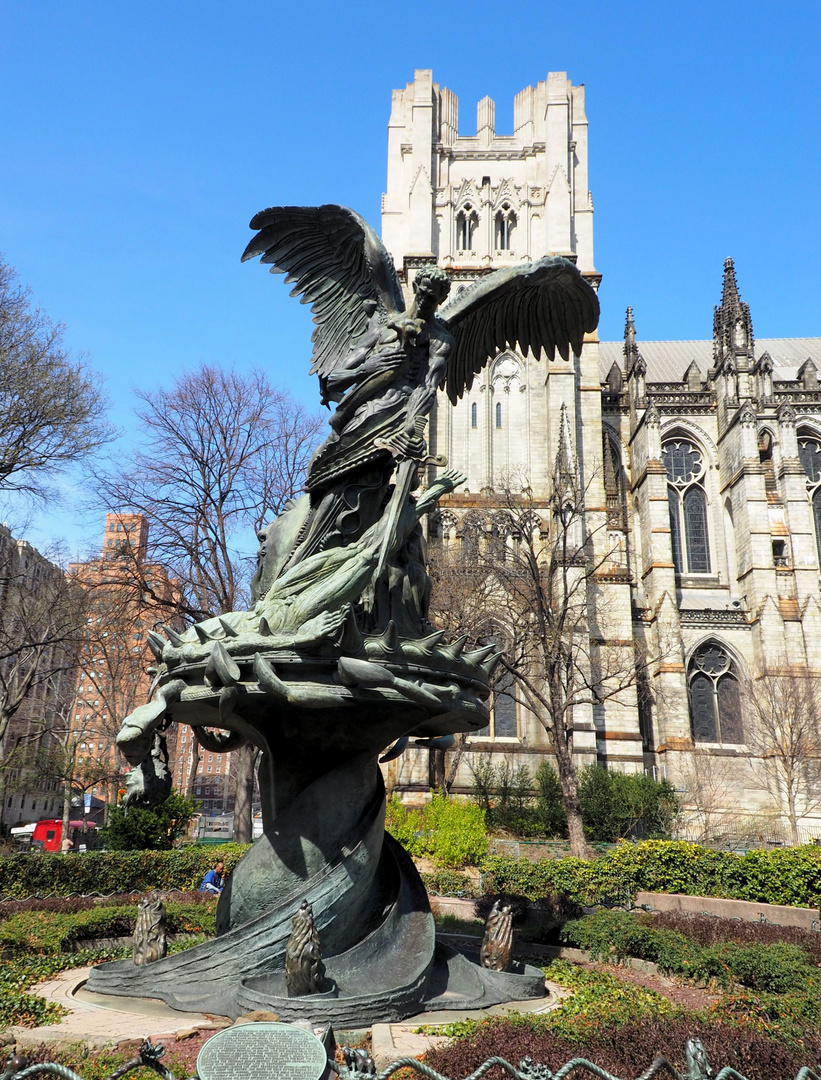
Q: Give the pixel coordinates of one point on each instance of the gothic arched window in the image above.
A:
(473, 529)
(498, 414)
(503, 723)
(473, 412)
(689, 533)
(809, 451)
(467, 221)
(503, 225)
(715, 703)
(614, 486)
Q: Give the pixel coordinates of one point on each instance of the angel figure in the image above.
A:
(382, 364)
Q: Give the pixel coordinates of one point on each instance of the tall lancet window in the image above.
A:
(467, 222)
(614, 485)
(473, 416)
(809, 451)
(689, 530)
(503, 722)
(498, 414)
(503, 226)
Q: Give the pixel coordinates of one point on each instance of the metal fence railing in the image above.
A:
(359, 1066)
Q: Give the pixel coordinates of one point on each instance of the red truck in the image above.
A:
(46, 835)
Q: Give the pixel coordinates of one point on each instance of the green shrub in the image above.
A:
(506, 794)
(447, 831)
(550, 813)
(50, 933)
(104, 872)
(616, 805)
(454, 833)
(449, 883)
(35, 945)
(131, 828)
(791, 876)
(613, 936)
(404, 823)
(776, 969)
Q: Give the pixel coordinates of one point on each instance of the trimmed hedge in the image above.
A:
(104, 872)
(779, 967)
(49, 932)
(790, 876)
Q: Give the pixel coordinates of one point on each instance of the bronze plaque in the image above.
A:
(262, 1052)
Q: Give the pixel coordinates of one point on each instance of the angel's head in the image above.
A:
(431, 286)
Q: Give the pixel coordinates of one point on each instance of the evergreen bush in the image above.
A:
(103, 872)
(551, 816)
(47, 933)
(618, 805)
(789, 876)
(131, 828)
(614, 805)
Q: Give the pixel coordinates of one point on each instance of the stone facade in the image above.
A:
(700, 456)
(115, 670)
(28, 581)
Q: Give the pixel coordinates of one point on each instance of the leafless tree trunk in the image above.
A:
(196, 758)
(242, 777)
(706, 781)
(42, 621)
(66, 809)
(222, 454)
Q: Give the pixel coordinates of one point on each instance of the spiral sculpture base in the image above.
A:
(324, 841)
(371, 910)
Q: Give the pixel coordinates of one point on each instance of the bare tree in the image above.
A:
(42, 621)
(52, 410)
(532, 586)
(782, 722)
(69, 758)
(461, 594)
(112, 664)
(222, 453)
(706, 781)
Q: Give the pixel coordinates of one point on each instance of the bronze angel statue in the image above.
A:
(382, 364)
(335, 661)
(350, 552)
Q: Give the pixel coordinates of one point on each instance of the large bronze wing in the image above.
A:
(336, 263)
(540, 305)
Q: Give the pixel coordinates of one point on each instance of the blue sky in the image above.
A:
(138, 139)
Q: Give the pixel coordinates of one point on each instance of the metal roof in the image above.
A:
(668, 360)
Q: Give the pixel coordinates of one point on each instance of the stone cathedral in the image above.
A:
(704, 456)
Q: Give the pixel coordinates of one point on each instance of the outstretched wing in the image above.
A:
(541, 305)
(336, 263)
